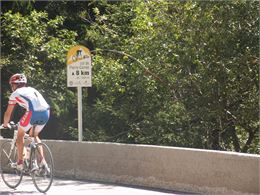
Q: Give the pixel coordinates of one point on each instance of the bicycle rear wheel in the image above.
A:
(10, 175)
(43, 172)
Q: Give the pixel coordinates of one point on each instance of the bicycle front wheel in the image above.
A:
(10, 175)
(42, 162)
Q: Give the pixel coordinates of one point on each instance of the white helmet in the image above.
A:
(18, 78)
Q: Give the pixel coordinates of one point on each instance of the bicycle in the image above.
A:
(41, 173)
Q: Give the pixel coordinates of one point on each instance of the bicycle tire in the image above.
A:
(42, 177)
(10, 175)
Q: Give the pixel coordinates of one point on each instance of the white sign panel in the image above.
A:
(79, 67)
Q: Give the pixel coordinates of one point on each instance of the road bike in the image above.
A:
(38, 162)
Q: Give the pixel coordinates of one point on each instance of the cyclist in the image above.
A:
(37, 112)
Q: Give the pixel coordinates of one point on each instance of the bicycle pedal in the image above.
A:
(35, 168)
(13, 165)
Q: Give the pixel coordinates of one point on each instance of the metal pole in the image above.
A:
(80, 113)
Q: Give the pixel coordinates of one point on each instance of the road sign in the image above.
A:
(79, 67)
(79, 75)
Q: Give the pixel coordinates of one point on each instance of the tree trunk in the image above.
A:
(235, 138)
(249, 140)
(215, 139)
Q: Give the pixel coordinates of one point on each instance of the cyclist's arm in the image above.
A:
(8, 114)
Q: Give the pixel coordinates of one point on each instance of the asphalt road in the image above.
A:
(75, 187)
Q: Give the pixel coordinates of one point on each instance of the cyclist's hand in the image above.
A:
(2, 127)
(11, 125)
(8, 126)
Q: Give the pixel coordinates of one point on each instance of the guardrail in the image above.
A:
(194, 170)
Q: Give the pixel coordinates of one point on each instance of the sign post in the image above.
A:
(80, 129)
(79, 75)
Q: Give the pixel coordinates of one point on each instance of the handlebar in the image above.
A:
(10, 126)
(14, 127)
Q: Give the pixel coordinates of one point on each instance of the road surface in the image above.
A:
(76, 187)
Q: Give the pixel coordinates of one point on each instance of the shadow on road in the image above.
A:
(75, 187)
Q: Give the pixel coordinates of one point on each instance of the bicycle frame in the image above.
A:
(26, 137)
(13, 143)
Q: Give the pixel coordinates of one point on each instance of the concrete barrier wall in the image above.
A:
(206, 171)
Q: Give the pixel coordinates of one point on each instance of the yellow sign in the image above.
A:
(79, 67)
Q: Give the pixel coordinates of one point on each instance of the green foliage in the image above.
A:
(37, 46)
(179, 73)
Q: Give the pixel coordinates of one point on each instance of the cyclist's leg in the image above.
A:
(35, 133)
(43, 117)
(20, 145)
(23, 126)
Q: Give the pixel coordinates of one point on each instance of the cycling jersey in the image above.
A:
(29, 98)
(37, 109)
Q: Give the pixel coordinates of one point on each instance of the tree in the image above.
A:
(164, 72)
(192, 81)
(37, 45)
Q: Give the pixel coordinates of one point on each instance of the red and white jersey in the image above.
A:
(29, 98)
